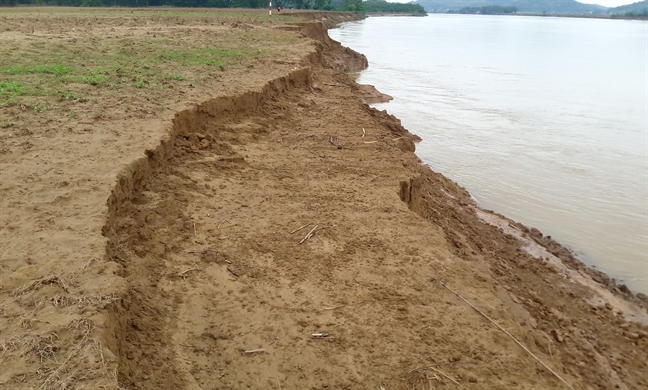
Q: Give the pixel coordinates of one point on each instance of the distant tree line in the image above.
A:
(632, 14)
(383, 6)
(486, 10)
(525, 6)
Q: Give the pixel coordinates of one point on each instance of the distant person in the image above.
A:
(278, 9)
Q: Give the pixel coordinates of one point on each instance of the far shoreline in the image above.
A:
(576, 16)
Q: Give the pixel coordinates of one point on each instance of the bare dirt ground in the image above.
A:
(202, 191)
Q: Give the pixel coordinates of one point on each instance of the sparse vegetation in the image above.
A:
(128, 62)
(8, 91)
(70, 96)
(37, 69)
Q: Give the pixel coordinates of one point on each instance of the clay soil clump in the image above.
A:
(200, 199)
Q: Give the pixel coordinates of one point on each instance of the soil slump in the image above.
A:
(212, 253)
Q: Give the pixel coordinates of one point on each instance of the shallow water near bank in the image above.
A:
(542, 119)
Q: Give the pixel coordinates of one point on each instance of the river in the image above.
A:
(542, 119)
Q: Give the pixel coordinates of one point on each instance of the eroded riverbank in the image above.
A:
(275, 209)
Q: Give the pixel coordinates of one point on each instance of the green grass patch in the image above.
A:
(50, 70)
(204, 56)
(11, 88)
(42, 107)
(69, 95)
(37, 69)
(141, 83)
(8, 92)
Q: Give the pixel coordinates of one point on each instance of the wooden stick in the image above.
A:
(308, 235)
(418, 369)
(274, 338)
(507, 333)
(299, 228)
(195, 234)
(440, 364)
(548, 339)
(204, 252)
(339, 306)
(363, 132)
(445, 375)
(221, 224)
(255, 351)
(184, 272)
(232, 272)
(370, 142)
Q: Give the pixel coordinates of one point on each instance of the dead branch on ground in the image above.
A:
(309, 235)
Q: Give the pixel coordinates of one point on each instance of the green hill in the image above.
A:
(384, 6)
(530, 6)
(637, 7)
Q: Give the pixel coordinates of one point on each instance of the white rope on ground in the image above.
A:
(507, 333)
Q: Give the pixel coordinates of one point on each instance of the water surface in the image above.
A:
(544, 120)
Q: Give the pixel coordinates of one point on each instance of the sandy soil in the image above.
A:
(198, 235)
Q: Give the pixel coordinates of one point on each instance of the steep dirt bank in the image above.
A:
(227, 285)
(293, 209)
(212, 255)
(328, 19)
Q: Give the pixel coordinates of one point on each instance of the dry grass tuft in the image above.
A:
(28, 323)
(65, 375)
(49, 349)
(43, 346)
(81, 328)
(98, 301)
(40, 283)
